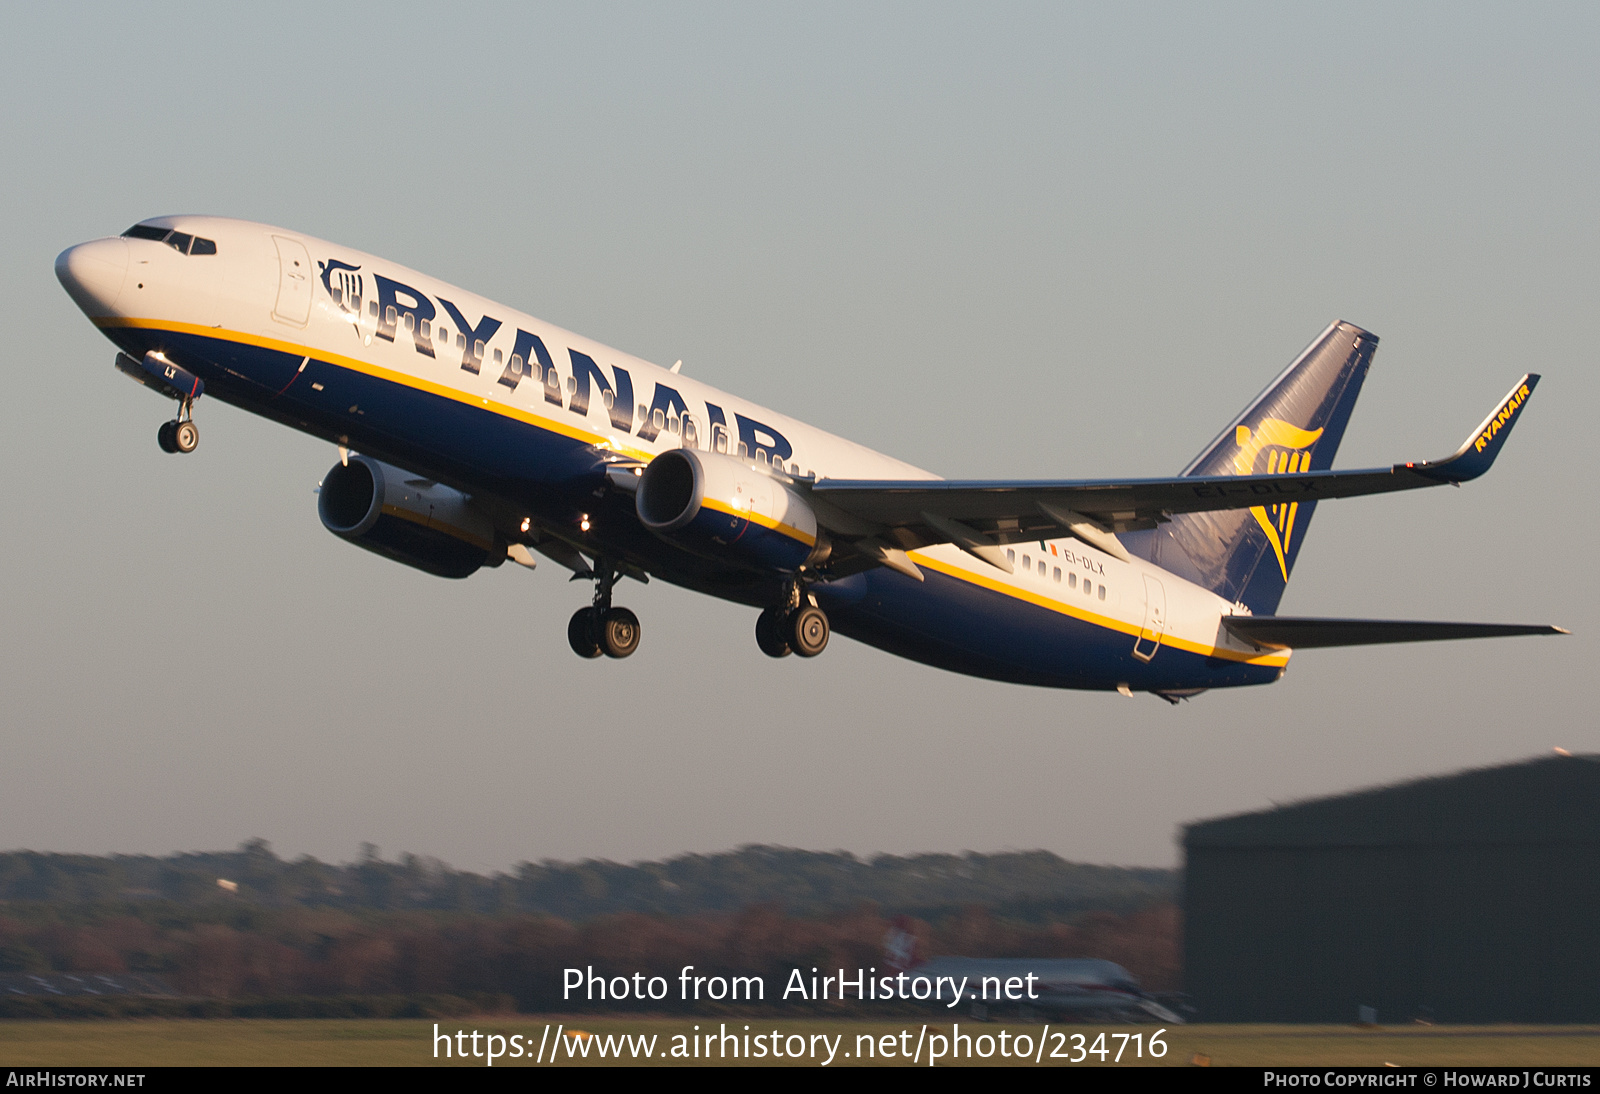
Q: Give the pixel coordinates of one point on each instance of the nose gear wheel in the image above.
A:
(180, 434)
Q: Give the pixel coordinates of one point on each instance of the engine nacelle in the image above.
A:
(392, 512)
(726, 508)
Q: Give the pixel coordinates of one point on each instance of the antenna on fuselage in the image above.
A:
(677, 366)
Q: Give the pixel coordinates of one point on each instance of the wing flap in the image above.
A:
(1305, 632)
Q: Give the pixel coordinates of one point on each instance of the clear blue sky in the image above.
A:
(990, 239)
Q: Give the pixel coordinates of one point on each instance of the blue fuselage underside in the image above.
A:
(947, 622)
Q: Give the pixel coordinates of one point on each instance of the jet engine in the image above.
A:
(400, 516)
(728, 509)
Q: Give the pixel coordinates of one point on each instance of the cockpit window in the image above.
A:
(181, 242)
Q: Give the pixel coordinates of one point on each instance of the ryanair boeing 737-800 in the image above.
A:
(470, 433)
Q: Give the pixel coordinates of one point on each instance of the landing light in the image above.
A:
(583, 523)
(526, 522)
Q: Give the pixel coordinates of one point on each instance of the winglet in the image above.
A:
(1477, 455)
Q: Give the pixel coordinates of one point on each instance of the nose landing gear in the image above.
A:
(180, 434)
(602, 628)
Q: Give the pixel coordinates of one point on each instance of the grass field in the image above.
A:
(155, 1042)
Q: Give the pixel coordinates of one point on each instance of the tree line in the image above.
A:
(417, 929)
(1030, 886)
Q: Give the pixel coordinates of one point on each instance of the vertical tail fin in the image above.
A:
(1294, 425)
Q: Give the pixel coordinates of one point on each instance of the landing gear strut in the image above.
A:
(180, 434)
(602, 628)
(797, 626)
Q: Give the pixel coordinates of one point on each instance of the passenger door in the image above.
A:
(294, 282)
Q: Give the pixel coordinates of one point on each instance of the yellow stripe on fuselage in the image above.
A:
(1271, 658)
(367, 368)
(541, 421)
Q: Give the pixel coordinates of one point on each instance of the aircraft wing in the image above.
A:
(979, 515)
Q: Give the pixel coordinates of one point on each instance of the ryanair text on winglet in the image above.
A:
(1501, 418)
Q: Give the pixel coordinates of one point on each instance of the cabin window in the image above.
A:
(1011, 556)
(672, 424)
(744, 451)
(551, 380)
(372, 308)
(719, 439)
(477, 349)
(1058, 575)
(442, 332)
(427, 325)
(607, 398)
(498, 357)
(1027, 563)
(461, 340)
(572, 385)
(1072, 581)
(411, 321)
(516, 364)
(391, 316)
(1041, 567)
(658, 418)
(1102, 592)
(691, 433)
(761, 456)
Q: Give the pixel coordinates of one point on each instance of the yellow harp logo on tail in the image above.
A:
(1288, 450)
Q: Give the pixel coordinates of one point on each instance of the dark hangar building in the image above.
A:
(1472, 897)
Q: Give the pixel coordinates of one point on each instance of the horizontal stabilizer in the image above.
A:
(1283, 632)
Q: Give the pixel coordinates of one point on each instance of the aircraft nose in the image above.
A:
(93, 273)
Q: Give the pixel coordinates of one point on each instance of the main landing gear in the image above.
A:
(602, 628)
(180, 434)
(796, 627)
